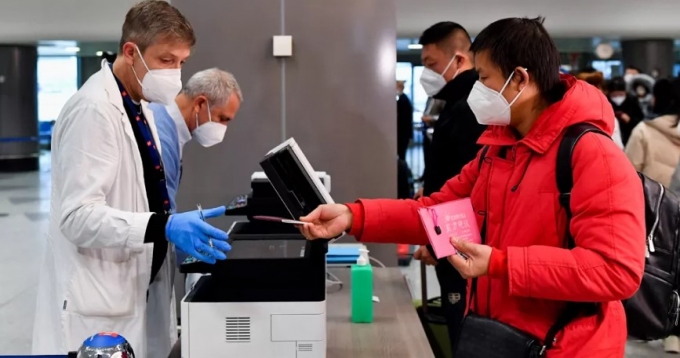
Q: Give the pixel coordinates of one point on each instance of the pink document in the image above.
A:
(451, 219)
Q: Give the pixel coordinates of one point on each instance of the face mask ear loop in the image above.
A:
(449, 65)
(209, 114)
(507, 82)
(518, 94)
(142, 58)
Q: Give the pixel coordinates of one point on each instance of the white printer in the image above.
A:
(268, 299)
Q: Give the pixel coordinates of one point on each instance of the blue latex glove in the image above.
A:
(193, 235)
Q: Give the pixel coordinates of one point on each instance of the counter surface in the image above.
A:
(396, 331)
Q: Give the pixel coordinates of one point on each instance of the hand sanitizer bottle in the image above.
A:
(362, 289)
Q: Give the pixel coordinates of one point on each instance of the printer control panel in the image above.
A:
(240, 201)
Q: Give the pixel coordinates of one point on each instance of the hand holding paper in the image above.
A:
(451, 219)
(477, 262)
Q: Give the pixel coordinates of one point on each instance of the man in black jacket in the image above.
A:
(404, 121)
(449, 75)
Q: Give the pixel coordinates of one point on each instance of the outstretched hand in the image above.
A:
(326, 222)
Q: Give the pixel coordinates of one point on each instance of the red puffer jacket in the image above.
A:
(531, 274)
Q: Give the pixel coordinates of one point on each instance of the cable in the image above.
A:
(333, 281)
(377, 261)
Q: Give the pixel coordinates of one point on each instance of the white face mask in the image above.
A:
(618, 100)
(160, 86)
(433, 82)
(490, 107)
(209, 133)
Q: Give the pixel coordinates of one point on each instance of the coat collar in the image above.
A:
(115, 98)
(459, 88)
(111, 87)
(549, 125)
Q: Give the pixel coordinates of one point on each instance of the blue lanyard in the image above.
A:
(156, 161)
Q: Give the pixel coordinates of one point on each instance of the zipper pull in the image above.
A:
(650, 240)
(646, 251)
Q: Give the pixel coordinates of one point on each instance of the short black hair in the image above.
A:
(523, 42)
(666, 98)
(588, 69)
(441, 31)
(617, 84)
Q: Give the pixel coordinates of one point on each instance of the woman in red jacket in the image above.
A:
(525, 274)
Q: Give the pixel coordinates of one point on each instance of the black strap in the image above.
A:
(473, 286)
(482, 157)
(565, 182)
(563, 172)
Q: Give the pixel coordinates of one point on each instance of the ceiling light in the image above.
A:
(100, 53)
(415, 46)
(72, 49)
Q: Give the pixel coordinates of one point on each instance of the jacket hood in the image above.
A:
(667, 126)
(581, 103)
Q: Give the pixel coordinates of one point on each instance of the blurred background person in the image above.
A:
(432, 109)
(654, 145)
(654, 150)
(596, 78)
(626, 107)
(404, 121)
(631, 71)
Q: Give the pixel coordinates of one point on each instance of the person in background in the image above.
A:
(632, 70)
(654, 149)
(526, 273)
(596, 78)
(404, 121)
(654, 145)
(626, 107)
(449, 76)
(207, 103)
(109, 259)
(432, 109)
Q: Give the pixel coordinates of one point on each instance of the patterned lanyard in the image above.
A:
(150, 144)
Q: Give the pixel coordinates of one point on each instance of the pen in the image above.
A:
(200, 214)
(277, 219)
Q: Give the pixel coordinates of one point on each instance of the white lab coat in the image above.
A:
(96, 269)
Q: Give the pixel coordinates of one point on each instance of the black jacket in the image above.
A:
(631, 107)
(404, 124)
(454, 141)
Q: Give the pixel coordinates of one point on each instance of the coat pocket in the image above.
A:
(103, 284)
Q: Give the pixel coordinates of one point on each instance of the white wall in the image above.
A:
(101, 20)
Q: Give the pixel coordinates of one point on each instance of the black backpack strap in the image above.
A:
(563, 172)
(565, 182)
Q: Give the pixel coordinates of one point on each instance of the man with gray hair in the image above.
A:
(207, 103)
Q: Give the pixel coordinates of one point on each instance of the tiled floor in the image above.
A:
(24, 208)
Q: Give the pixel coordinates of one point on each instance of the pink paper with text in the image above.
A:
(454, 219)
